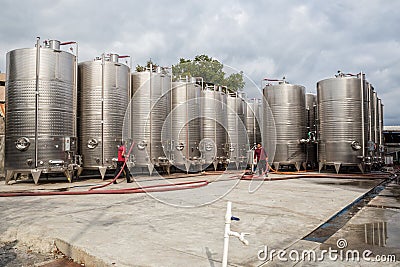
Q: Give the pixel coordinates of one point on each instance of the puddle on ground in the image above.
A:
(364, 184)
(326, 230)
(395, 192)
(381, 233)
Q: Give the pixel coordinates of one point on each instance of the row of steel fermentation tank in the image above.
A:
(340, 126)
(187, 124)
(65, 117)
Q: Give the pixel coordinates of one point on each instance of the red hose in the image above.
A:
(182, 185)
(144, 189)
(116, 177)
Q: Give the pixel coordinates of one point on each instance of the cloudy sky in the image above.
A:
(305, 41)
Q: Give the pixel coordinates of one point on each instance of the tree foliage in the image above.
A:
(140, 68)
(211, 70)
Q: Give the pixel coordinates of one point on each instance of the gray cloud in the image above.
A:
(306, 41)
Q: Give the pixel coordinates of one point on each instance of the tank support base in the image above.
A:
(9, 174)
(102, 171)
(187, 166)
(361, 167)
(337, 167)
(215, 163)
(150, 167)
(320, 166)
(36, 174)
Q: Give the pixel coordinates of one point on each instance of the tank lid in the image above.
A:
(114, 58)
(53, 44)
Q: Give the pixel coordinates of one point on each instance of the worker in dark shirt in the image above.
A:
(261, 157)
(121, 162)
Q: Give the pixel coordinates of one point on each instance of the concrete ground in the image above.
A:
(182, 228)
(375, 228)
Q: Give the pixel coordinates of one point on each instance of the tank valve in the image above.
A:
(304, 141)
(92, 143)
(180, 147)
(355, 145)
(142, 145)
(22, 143)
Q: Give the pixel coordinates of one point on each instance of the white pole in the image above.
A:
(228, 216)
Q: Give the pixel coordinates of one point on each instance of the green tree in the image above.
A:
(235, 81)
(211, 70)
(140, 68)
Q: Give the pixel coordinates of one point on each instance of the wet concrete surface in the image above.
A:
(388, 198)
(356, 184)
(374, 230)
(144, 230)
(342, 217)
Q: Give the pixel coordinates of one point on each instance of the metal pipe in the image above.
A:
(150, 109)
(362, 116)
(67, 43)
(74, 111)
(76, 90)
(186, 122)
(272, 80)
(215, 128)
(308, 131)
(255, 121)
(102, 108)
(37, 99)
(130, 98)
(171, 147)
(237, 128)
(315, 118)
(375, 103)
(378, 136)
(370, 112)
(381, 122)
(369, 106)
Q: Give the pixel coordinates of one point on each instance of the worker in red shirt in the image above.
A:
(120, 163)
(261, 158)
